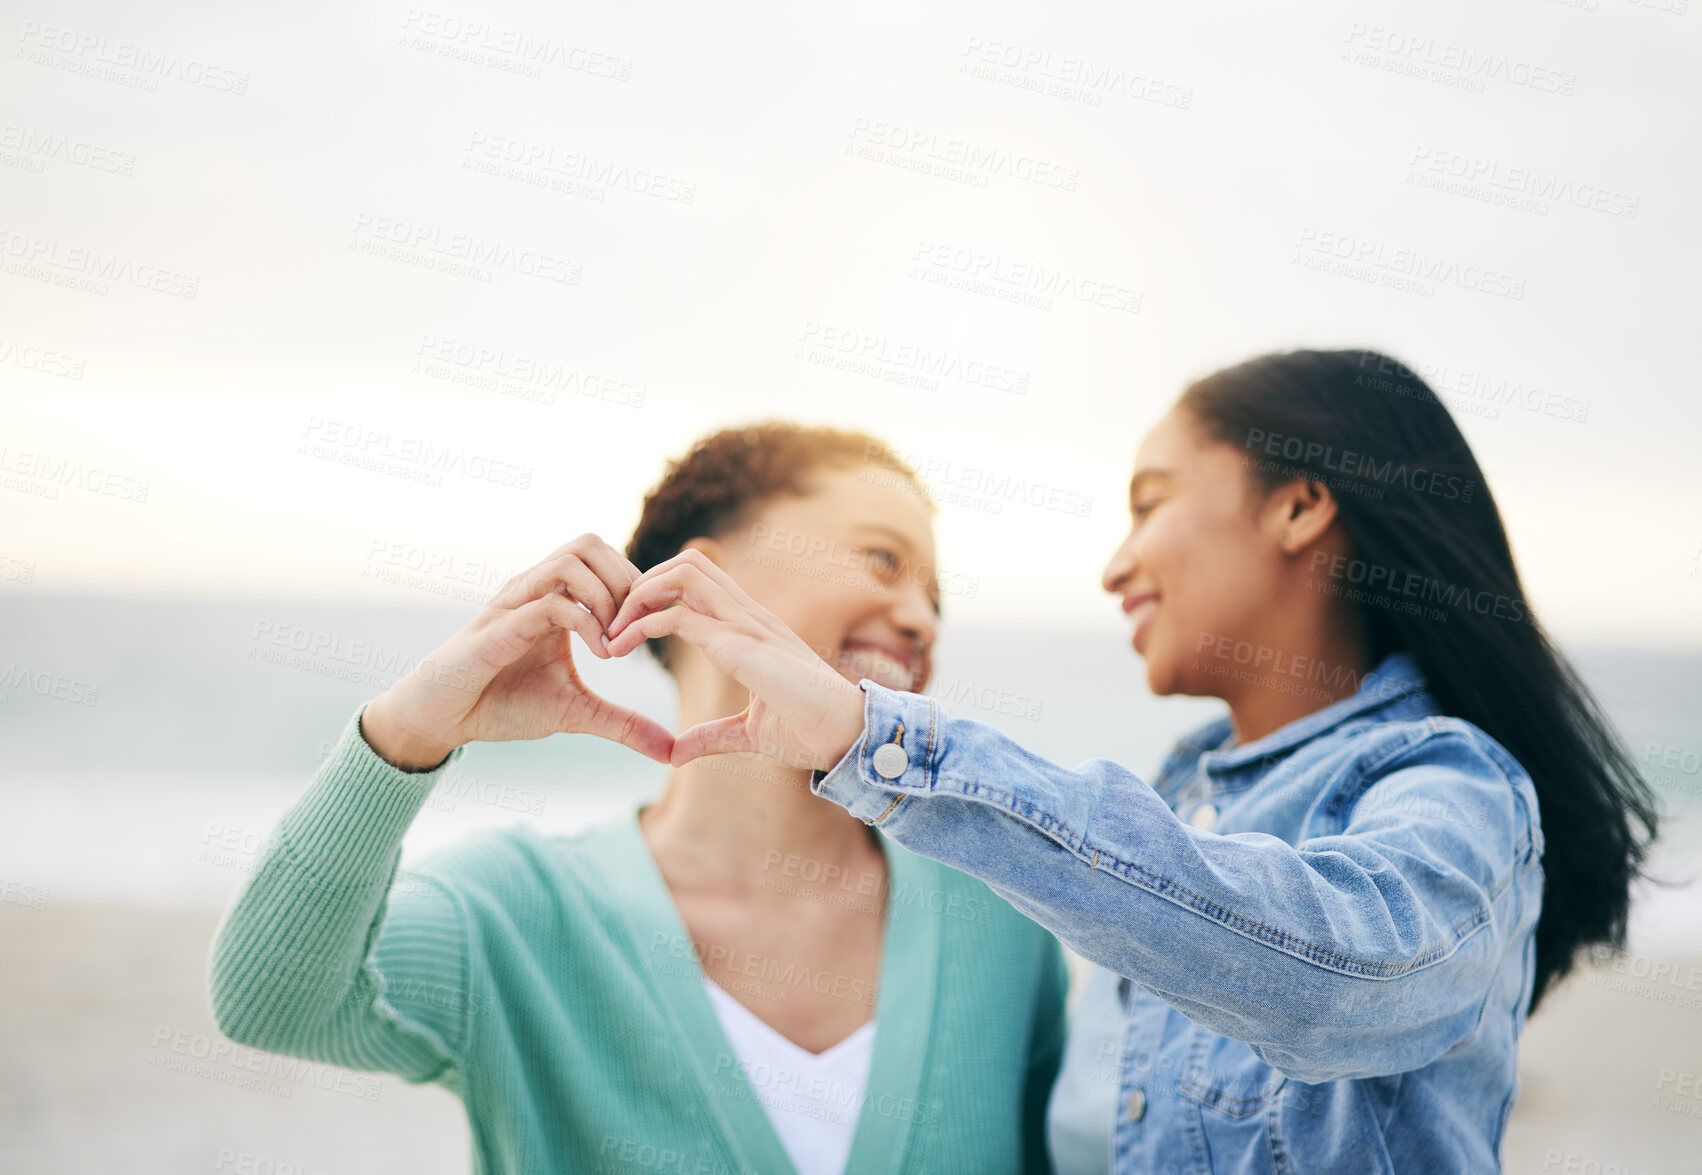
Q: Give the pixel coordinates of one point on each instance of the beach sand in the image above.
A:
(107, 1064)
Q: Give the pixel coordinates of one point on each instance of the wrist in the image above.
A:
(847, 723)
(398, 745)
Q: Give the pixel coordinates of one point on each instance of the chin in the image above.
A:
(1160, 677)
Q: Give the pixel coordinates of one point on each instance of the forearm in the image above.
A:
(290, 968)
(1285, 949)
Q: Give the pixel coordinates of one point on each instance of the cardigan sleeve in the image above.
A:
(328, 954)
(1045, 1055)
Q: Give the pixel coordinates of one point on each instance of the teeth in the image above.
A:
(862, 661)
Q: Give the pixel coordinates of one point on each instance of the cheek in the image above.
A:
(808, 602)
(1204, 575)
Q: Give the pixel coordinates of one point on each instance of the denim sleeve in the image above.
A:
(1369, 952)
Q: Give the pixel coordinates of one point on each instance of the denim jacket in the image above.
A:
(1313, 952)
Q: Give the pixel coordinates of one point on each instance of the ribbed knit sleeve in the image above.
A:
(321, 956)
(1045, 1055)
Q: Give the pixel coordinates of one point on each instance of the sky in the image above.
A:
(389, 303)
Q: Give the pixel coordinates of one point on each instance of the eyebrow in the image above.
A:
(904, 541)
(1142, 476)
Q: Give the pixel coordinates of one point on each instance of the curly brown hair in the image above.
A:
(729, 476)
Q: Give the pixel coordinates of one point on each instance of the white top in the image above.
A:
(812, 1099)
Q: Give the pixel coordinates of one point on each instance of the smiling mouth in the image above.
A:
(1140, 615)
(889, 667)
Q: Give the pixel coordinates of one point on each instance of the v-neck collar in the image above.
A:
(904, 1005)
(720, 997)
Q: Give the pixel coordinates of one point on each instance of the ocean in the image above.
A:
(150, 745)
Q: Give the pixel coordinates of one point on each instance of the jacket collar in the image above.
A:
(1396, 676)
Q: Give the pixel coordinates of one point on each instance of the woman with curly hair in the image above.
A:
(739, 977)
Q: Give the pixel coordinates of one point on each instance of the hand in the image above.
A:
(509, 673)
(802, 711)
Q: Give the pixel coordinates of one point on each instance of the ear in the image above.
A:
(1299, 513)
(716, 552)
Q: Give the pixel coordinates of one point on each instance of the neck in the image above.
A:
(736, 824)
(1311, 667)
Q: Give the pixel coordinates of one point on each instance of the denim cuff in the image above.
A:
(890, 717)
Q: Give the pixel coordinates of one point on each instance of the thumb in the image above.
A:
(629, 728)
(722, 736)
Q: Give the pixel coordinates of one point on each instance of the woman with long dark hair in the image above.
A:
(1319, 930)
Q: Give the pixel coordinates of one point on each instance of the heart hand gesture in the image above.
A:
(802, 711)
(509, 674)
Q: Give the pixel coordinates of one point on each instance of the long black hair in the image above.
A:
(1432, 573)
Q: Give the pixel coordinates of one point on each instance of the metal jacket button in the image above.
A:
(1137, 1106)
(890, 760)
(1204, 817)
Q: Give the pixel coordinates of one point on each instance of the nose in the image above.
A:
(1121, 566)
(913, 613)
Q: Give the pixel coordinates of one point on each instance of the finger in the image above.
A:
(685, 583)
(566, 575)
(502, 644)
(613, 567)
(610, 574)
(768, 669)
(683, 622)
(616, 723)
(723, 736)
(708, 568)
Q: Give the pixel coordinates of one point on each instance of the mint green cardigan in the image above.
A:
(549, 982)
